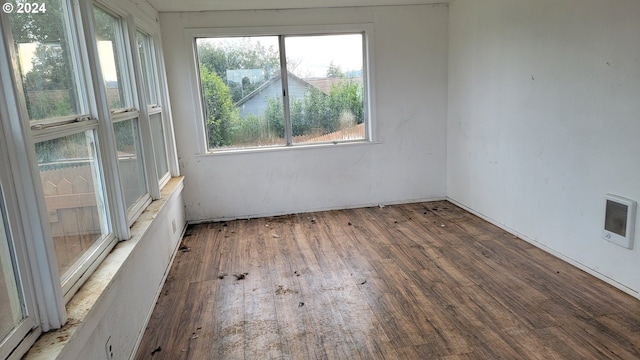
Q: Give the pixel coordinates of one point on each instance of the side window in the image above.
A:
(55, 95)
(154, 106)
(85, 159)
(47, 57)
(17, 312)
(110, 32)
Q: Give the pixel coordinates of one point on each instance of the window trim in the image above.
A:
(366, 29)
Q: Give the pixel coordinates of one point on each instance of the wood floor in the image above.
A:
(416, 281)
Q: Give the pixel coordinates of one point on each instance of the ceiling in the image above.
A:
(201, 5)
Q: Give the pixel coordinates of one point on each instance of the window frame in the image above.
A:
(132, 110)
(366, 29)
(72, 279)
(57, 127)
(149, 108)
(46, 291)
(25, 334)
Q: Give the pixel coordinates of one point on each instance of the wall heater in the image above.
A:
(619, 220)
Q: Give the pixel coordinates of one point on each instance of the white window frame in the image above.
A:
(149, 109)
(26, 333)
(132, 109)
(73, 279)
(366, 29)
(20, 178)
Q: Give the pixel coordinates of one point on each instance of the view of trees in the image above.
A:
(318, 113)
(242, 54)
(49, 84)
(314, 114)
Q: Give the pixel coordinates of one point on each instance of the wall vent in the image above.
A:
(619, 220)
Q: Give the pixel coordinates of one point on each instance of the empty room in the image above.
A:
(355, 179)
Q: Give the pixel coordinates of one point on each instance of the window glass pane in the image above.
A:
(157, 133)
(73, 194)
(242, 91)
(11, 309)
(46, 61)
(130, 161)
(146, 59)
(112, 59)
(325, 87)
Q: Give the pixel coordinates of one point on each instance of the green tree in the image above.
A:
(346, 99)
(299, 124)
(317, 113)
(236, 54)
(334, 71)
(274, 115)
(220, 113)
(48, 86)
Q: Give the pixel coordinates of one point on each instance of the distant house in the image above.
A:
(256, 102)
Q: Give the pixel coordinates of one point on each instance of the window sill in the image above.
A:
(98, 290)
(222, 152)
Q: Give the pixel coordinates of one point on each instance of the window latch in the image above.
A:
(125, 110)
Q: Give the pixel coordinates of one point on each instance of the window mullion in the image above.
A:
(285, 91)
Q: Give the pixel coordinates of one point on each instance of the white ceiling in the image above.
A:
(201, 5)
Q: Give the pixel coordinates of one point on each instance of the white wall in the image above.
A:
(408, 163)
(118, 298)
(131, 297)
(544, 120)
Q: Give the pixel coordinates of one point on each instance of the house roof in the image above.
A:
(322, 84)
(325, 84)
(260, 88)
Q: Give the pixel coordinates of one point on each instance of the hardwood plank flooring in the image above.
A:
(415, 281)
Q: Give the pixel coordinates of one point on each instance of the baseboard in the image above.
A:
(305, 211)
(551, 251)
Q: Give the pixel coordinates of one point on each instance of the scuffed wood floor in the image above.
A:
(416, 281)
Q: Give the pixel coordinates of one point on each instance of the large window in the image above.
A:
(249, 101)
(56, 96)
(83, 104)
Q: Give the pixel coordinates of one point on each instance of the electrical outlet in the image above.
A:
(108, 347)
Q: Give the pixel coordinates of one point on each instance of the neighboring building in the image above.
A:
(255, 103)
